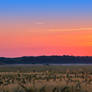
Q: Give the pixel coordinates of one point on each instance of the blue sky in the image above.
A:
(46, 8)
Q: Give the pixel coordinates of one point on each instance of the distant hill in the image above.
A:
(47, 60)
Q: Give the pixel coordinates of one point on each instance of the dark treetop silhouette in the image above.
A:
(47, 60)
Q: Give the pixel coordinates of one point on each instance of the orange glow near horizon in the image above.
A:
(41, 39)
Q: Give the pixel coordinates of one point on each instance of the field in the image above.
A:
(46, 78)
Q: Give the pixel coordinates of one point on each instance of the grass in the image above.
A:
(43, 78)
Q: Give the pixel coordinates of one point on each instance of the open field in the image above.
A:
(46, 78)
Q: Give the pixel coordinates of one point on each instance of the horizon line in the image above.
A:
(44, 55)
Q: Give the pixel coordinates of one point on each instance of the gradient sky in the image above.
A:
(45, 27)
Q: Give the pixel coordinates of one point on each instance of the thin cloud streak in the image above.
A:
(71, 29)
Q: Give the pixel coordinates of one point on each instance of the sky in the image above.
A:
(45, 27)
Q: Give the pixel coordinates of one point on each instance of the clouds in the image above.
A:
(71, 29)
(39, 23)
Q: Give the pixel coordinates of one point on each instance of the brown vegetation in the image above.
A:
(46, 81)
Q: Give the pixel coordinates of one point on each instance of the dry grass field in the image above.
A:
(46, 78)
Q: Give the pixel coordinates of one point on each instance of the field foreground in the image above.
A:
(46, 78)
